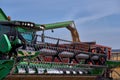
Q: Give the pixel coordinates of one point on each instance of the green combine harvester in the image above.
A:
(24, 54)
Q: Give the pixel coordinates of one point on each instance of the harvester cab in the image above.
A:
(11, 39)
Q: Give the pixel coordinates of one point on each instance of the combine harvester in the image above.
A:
(27, 55)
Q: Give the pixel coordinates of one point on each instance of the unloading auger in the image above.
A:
(70, 25)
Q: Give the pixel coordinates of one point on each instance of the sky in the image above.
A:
(96, 20)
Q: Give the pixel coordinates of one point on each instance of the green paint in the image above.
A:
(112, 64)
(56, 25)
(5, 44)
(3, 17)
(5, 68)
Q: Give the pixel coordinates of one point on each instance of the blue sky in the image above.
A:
(96, 20)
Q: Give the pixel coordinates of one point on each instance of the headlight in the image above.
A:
(28, 24)
(31, 25)
(25, 24)
(41, 27)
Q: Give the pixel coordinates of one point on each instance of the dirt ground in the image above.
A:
(114, 75)
(49, 77)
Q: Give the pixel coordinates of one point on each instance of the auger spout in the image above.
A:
(67, 24)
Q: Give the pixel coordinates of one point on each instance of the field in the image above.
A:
(114, 74)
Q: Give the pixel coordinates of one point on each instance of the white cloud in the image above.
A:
(97, 9)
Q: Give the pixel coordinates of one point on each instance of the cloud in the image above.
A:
(94, 10)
